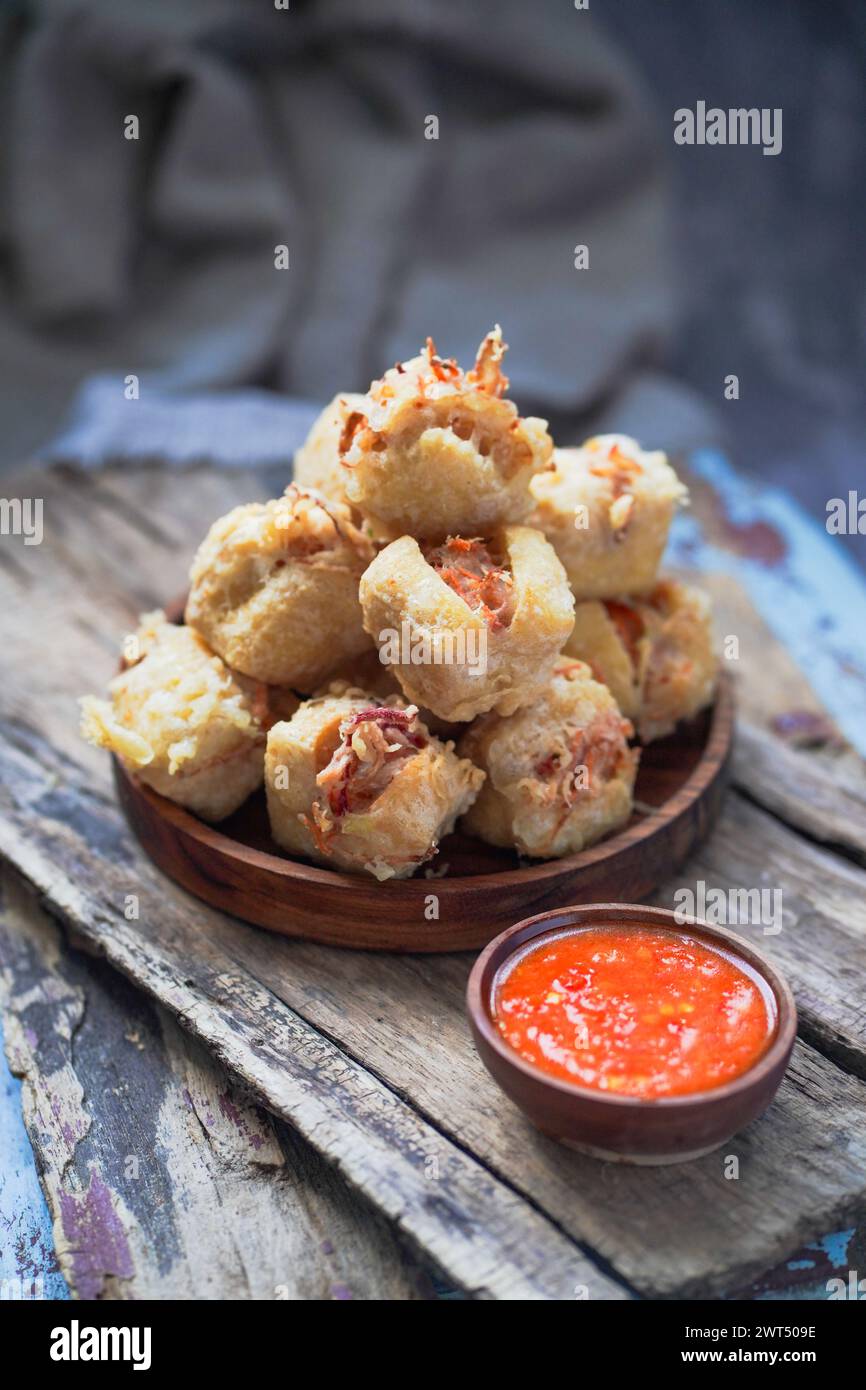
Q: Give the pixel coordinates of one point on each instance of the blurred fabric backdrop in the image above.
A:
(261, 127)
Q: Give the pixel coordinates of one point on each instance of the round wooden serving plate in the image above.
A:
(237, 867)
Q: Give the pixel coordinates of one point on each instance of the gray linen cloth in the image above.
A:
(305, 127)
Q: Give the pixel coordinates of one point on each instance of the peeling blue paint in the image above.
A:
(27, 1262)
(812, 596)
(835, 1247)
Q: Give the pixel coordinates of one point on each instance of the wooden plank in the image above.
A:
(665, 1231)
(268, 1007)
(141, 1138)
(28, 1264)
(819, 935)
(825, 803)
(797, 578)
(474, 1228)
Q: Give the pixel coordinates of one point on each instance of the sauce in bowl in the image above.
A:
(634, 1011)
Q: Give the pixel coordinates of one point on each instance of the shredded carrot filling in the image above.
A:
(374, 742)
(619, 468)
(587, 758)
(629, 626)
(487, 374)
(425, 393)
(443, 368)
(483, 583)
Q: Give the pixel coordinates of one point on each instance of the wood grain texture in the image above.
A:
(141, 1138)
(474, 890)
(819, 936)
(478, 1232)
(293, 1019)
(369, 1054)
(826, 803)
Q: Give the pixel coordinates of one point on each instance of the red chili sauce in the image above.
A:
(634, 1010)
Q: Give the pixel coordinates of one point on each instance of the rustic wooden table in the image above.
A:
(219, 1112)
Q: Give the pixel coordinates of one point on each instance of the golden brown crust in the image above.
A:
(368, 673)
(471, 601)
(435, 451)
(182, 721)
(317, 462)
(274, 589)
(560, 774)
(596, 640)
(398, 830)
(607, 508)
(655, 654)
(460, 661)
(681, 671)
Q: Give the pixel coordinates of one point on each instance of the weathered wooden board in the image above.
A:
(797, 586)
(141, 1138)
(482, 1236)
(274, 1010)
(820, 936)
(370, 1056)
(826, 802)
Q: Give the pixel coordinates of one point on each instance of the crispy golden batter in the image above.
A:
(317, 462)
(607, 636)
(362, 786)
(435, 451)
(470, 626)
(182, 721)
(655, 654)
(464, 605)
(368, 673)
(560, 773)
(274, 589)
(607, 509)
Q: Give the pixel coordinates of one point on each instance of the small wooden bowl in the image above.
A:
(628, 1129)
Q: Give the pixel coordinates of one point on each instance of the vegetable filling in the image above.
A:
(484, 583)
(583, 760)
(374, 744)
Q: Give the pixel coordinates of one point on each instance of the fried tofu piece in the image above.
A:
(274, 589)
(317, 462)
(374, 677)
(607, 508)
(655, 654)
(560, 773)
(435, 451)
(181, 721)
(468, 625)
(363, 786)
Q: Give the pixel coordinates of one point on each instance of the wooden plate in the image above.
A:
(238, 868)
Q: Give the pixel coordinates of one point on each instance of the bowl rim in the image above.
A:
(478, 1000)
